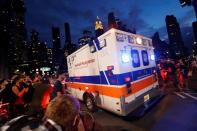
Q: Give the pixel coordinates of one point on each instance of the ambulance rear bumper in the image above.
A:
(140, 104)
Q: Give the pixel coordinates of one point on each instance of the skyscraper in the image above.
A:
(13, 34)
(57, 51)
(194, 49)
(38, 55)
(175, 37)
(67, 33)
(111, 21)
(69, 47)
(160, 47)
(56, 38)
(98, 27)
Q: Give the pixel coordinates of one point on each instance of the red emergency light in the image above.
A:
(127, 79)
(110, 67)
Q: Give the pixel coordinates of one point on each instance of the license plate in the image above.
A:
(146, 97)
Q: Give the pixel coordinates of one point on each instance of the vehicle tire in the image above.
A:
(89, 102)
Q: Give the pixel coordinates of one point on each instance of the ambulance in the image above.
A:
(116, 72)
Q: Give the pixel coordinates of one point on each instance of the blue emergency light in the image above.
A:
(152, 57)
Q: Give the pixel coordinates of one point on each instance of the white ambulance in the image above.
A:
(115, 72)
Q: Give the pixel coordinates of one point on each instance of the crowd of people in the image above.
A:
(39, 103)
(176, 72)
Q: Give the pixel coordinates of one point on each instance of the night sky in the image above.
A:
(147, 16)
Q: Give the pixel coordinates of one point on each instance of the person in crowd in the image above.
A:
(37, 78)
(19, 88)
(194, 65)
(171, 72)
(18, 91)
(40, 97)
(163, 73)
(58, 89)
(180, 77)
(184, 69)
(3, 84)
(63, 114)
(27, 97)
(7, 95)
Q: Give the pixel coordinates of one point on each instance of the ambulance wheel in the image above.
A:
(89, 102)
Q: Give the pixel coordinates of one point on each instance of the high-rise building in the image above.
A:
(67, 34)
(36, 50)
(98, 27)
(12, 33)
(160, 47)
(39, 55)
(194, 3)
(57, 50)
(50, 55)
(111, 21)
(175, 38)
(69, 47)
(56, 38)
(194, 48)
(56, 45)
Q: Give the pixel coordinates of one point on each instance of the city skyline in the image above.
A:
(147, 18)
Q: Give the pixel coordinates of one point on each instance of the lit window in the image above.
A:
(119, 37)
(135, 58)
(145, 58)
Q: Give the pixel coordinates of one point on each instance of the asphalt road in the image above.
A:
(176, 111)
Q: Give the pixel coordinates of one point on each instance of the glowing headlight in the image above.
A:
(125, 57)
(152, 57)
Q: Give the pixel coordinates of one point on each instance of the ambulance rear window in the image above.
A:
(145, 58)
(135, 58)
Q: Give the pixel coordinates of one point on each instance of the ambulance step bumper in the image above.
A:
(138, 107)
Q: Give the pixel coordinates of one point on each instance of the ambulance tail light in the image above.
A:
(127, 79)
(87, 88)
(128, 84)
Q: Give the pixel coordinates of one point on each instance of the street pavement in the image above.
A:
(177, 111)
